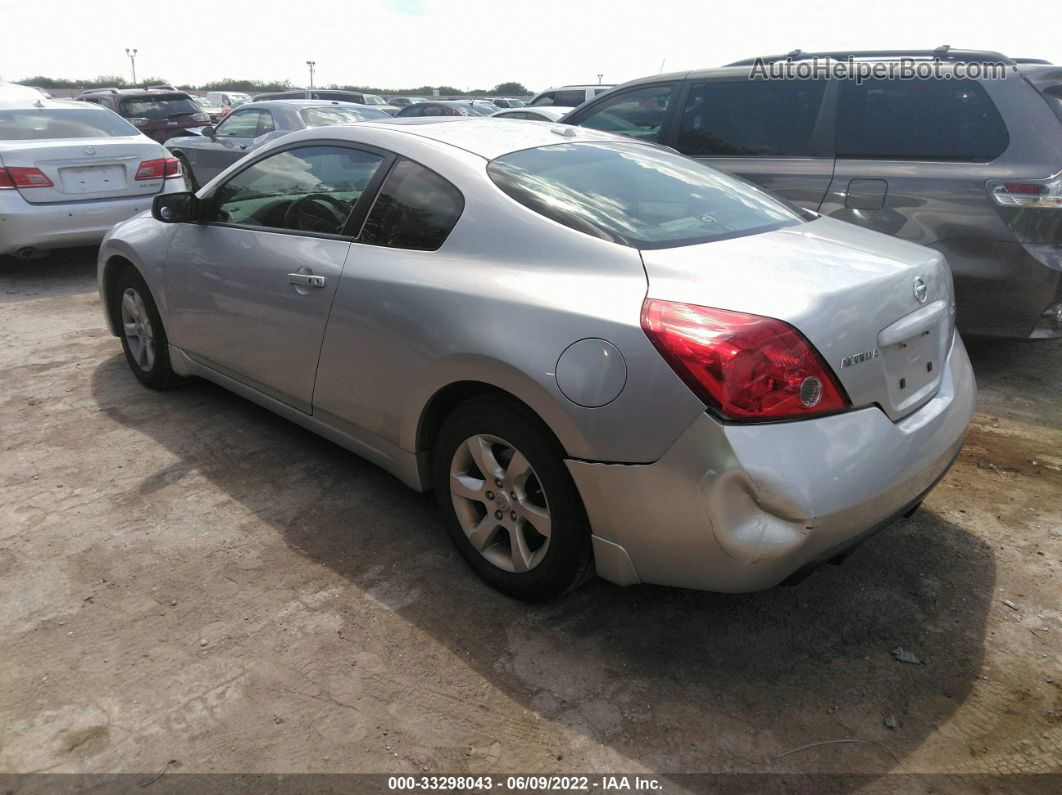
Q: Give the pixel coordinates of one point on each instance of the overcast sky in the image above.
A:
(479, 43)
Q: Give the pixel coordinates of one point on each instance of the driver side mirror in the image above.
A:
(175, 208)
(208, 131)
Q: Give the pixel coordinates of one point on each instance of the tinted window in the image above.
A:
(750, 118)
(416, 209)
(640, 196)
(240, 124)
(546, 99)
(638, 113)
(570, 99)
(312, 189)
(158, 108)
(39, 125)
(919, 120)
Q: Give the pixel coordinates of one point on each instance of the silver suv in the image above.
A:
(970, 167)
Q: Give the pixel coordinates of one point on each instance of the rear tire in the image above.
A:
(508, 500)
(143, 336)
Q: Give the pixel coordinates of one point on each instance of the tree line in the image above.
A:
(508, 89)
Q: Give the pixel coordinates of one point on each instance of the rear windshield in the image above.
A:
(326, 116)
(52, 124)
(640, 196)
(161, 108)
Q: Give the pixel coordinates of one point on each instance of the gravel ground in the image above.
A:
(186, 577)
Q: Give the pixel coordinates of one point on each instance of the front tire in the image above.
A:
(508, 501)
(143, 336)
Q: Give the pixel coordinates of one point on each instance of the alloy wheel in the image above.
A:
(136, 326)
(500, 503)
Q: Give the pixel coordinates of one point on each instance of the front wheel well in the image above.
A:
(111, 271)
(443, 403)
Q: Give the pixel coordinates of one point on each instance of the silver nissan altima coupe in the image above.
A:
(600, 355)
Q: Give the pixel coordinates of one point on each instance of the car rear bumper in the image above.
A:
(66, 224)
(743, 507)
(1004, 289)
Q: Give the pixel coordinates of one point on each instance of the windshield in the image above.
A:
(45, 124)
(159, 108)
(516, 103)
(374, 99)
(328, 115)
(640, 196)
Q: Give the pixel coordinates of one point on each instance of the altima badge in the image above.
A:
(921, 292)
(857, 358)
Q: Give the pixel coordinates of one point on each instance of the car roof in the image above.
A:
(301, 103)
(489, 137)
(21, 102)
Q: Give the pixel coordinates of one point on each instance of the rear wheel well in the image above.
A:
(443, 403)
(111, 271)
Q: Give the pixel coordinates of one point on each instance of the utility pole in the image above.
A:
(132, 61)
(311, 64)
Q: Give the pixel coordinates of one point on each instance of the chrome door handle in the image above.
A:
(306, 280)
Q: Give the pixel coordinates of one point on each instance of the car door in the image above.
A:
(232, 140)
(249, 288)
(775, 133)
(382, 323)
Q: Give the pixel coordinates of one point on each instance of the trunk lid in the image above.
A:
(850, 291)
(83, 169)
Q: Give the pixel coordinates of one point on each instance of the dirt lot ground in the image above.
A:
(184, 576)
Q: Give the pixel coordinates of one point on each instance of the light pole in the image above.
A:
(599, 76)
(132, 61)
(311, 64)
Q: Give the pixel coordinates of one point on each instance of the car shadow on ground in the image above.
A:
(674, 680)
(60, 273)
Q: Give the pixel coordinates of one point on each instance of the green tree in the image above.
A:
(511, 89)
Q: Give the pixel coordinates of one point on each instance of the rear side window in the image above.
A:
(639, 196)
(161, 108)
(47, 124)
(948, 120)
(750, 118)
(569, 99)
(416, 209)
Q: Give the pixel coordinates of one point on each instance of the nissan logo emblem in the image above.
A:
(921, 292)
(88, 150)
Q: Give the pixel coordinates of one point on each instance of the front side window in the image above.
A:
(153, 108)
(240, 124)
(750, 118)
(946, 120)
(638, 113)
(416, 209)
(48, 124)
(311, 189)
(639, 196)
(545, 99)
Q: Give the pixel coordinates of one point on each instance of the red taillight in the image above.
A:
(162, 168)
(747, 367)
(16, 177)
(1039, 193)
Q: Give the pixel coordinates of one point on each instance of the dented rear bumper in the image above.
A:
(743, 507)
